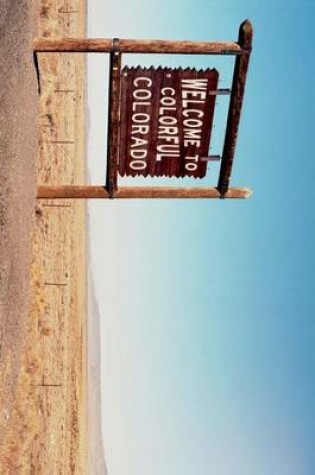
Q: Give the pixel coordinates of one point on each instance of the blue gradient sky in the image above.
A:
(207, 315)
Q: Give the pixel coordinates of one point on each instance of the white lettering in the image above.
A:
(201, 94)
(191, 167)
(168, 101)
(160, 156)
(140, 118)
(137, 105)
(168, 148)
(140, 129)
(148, 81)
(168, 130)
(170, 138)
(194, 84)
(142, 94)
(138, 165)
(138, 142)
(168, 89)
(163, 109)
(192, 134)
(188, 112)
(138, 153)
(191, 142)
(194, 158)
(166, 120)
(193, 123)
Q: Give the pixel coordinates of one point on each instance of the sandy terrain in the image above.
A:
(18, 141)
(43, 398)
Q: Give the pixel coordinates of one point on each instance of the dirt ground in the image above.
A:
(18, 141)
(43, 420)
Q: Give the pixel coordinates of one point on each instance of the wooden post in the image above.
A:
(236, 102)
(100, 192)
(96, 45)
(113, 120)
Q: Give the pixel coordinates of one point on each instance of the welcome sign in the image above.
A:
(166, 118)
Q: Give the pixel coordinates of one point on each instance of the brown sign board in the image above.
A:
(166, 118)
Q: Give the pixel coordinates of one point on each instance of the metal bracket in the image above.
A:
(220, 92)
(211, 158)
(232, 52)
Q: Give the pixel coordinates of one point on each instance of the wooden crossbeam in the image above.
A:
(97, 45)
(125, 192)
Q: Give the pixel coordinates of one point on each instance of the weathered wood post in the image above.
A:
(113, 119)
(236, 102)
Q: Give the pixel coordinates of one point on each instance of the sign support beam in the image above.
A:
(236, 102)
(113, 120)
(125, 192)
(95, 45)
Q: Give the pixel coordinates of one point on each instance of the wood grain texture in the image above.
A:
(113, 122)
(99, 45)
(100, 192)
(235, 106)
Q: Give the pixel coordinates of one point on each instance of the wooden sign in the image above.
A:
(166, 118)
(160, 120)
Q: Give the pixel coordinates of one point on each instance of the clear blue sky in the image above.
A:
(207, 313)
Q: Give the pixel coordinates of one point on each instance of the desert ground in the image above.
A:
(43, 325)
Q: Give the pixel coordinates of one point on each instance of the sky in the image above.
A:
(207, 317)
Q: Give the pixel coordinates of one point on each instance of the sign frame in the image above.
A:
(241, 49)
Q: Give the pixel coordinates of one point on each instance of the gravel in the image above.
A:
(18, 145)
